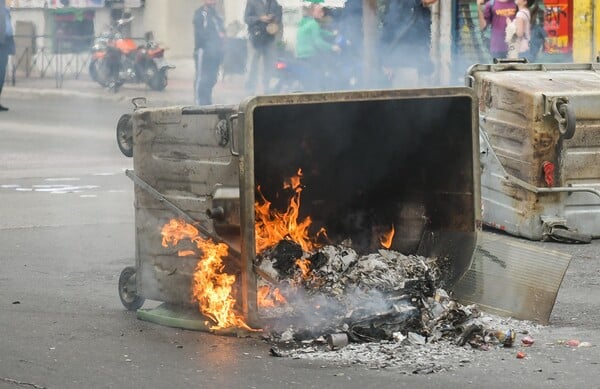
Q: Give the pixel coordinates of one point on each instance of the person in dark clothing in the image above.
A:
(7, 44)
(405, 39)
(263, 18)
(209, 36)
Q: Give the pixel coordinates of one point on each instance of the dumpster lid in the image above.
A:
(538, 78)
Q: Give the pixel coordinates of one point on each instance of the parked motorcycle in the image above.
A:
(98, 53)
(117, 60)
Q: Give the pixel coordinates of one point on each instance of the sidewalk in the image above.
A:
(179, 91)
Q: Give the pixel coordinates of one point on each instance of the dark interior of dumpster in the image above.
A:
(367, 165)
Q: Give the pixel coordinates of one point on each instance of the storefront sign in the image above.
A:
(558, 16)
(56, 3)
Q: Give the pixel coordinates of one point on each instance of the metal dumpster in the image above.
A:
(540, 148)
(402, 157)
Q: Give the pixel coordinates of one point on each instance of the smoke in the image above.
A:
(316, 313)
(350, 293)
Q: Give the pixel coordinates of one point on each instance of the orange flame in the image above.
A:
(279, 297)
(272, 226)
(304, 265)
(268, 298)
(262, 297)
(386, 238)
(211, 287)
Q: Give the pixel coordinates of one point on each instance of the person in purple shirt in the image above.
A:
(496, 13)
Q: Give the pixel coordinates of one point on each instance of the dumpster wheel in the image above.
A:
(128, 291)
(564, 113)
(566, 125)
(125, 135)
(569, 236)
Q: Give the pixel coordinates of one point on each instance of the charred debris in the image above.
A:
(383, 300)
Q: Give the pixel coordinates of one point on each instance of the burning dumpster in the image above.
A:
(540, 137)
(365, 171)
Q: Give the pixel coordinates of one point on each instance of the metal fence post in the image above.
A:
(14, 71)
(28, 64)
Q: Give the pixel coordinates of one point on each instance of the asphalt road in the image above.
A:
(67, 231)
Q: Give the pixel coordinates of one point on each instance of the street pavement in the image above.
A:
(228, 90)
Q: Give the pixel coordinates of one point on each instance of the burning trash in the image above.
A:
(331, 294)
(329, 289)
(383, 296)
(369, 297)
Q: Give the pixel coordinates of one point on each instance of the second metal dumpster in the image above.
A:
(540, 148)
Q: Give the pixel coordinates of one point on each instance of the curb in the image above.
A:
(25, 92)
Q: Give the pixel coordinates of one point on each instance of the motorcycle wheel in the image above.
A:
(114, 86)
(99, 71)
(93, 70)
(125, 135)
(156, 79)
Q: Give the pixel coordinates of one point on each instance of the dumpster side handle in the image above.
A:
(535, 189)
(230, 120)
(564, 114)
(523, 184)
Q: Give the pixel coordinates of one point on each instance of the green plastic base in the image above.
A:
(187, 318)
(175, 316)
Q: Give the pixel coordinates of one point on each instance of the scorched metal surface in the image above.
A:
(369, 159)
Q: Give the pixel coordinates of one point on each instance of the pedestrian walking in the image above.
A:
(263, 18)
(7, 44)
(496, 14)
(209, 41)
(405, 42)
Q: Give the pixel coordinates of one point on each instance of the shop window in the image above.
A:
(73, 29)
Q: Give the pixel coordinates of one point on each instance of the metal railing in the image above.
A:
(44, 56)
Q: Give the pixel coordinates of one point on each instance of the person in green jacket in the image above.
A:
(313, 44)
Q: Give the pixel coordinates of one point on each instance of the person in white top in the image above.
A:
(518, 32)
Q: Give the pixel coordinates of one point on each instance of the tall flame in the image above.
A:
(386, 238)
(211, 286)
(272, 226)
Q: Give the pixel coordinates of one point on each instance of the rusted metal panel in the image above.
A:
(184, 154)
(518, 107)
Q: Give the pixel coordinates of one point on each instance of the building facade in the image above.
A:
(572, 26)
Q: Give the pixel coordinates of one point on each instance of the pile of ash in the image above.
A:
(383, 304)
